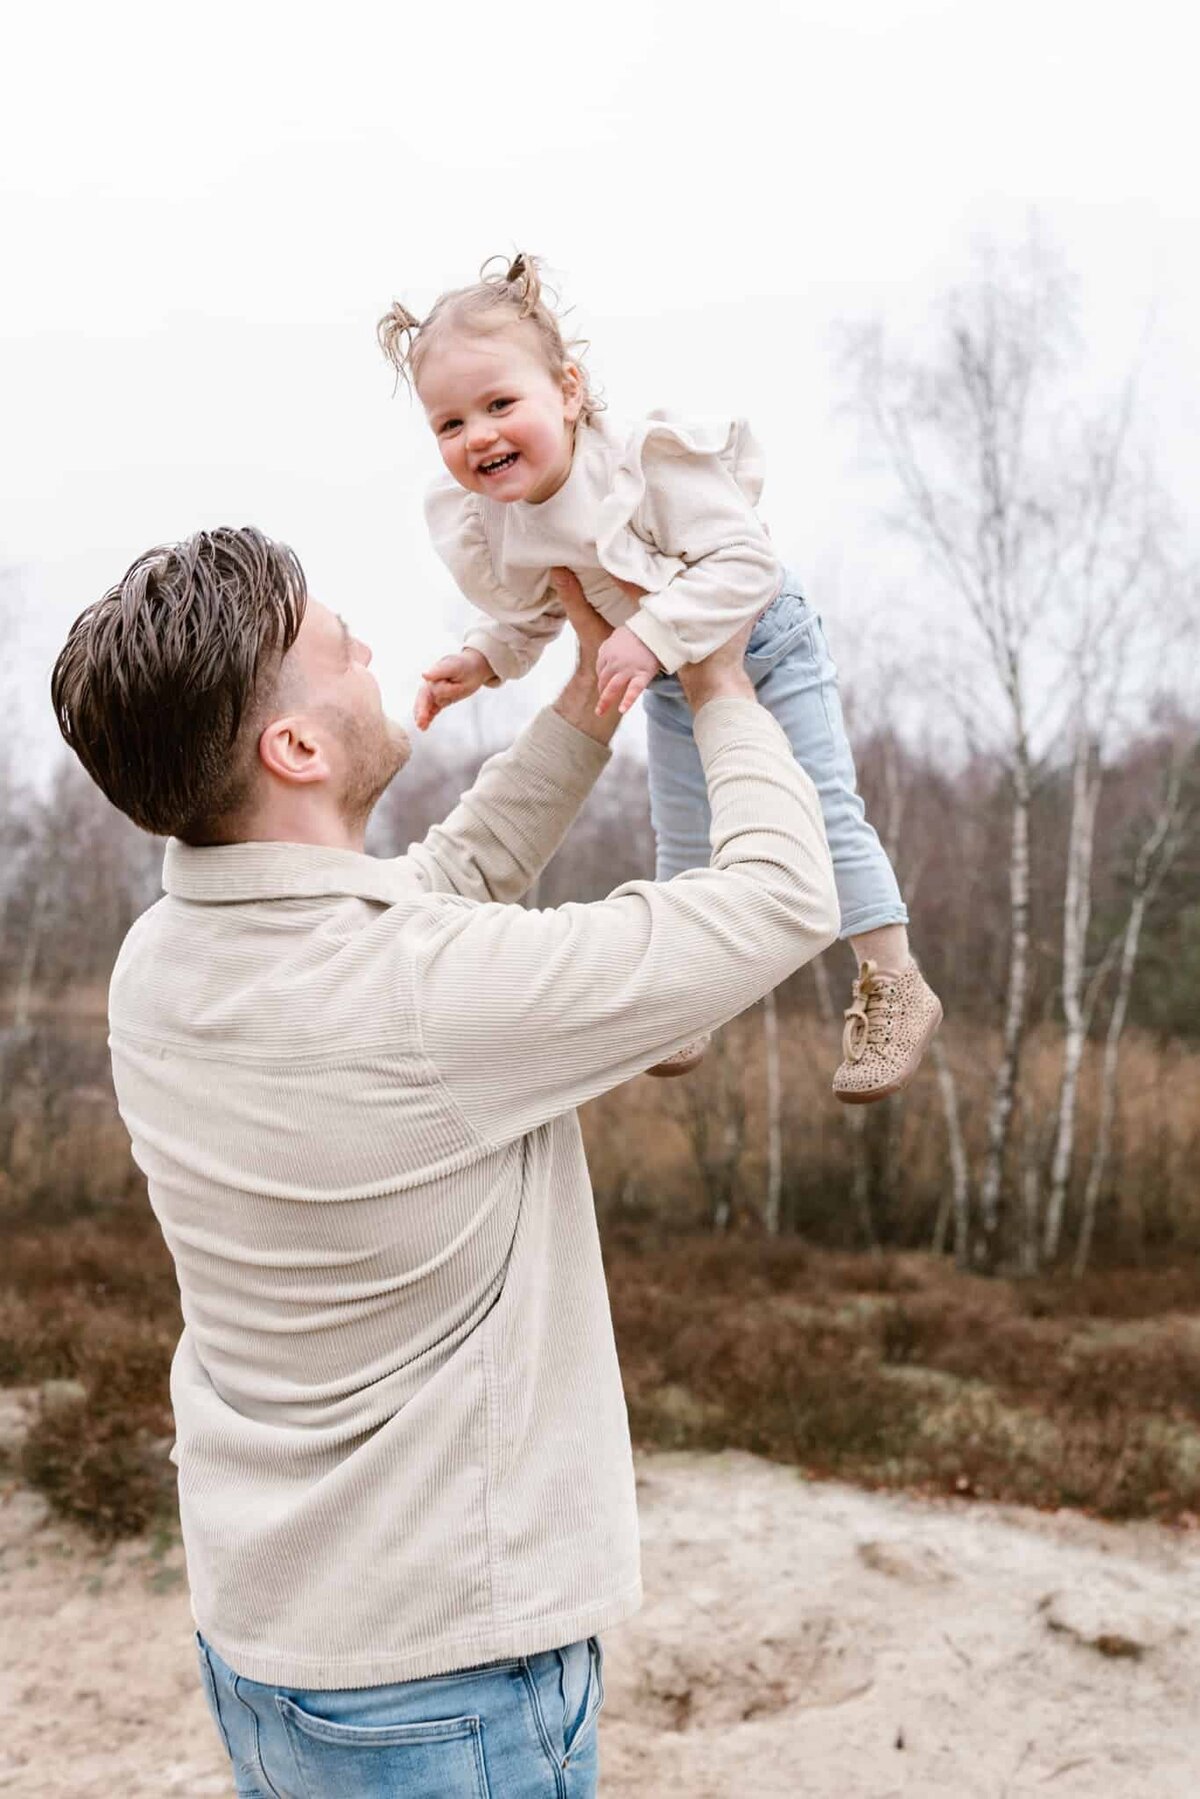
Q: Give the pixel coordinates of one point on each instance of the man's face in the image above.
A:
(326, 677)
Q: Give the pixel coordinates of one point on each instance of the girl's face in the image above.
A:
(504, 423)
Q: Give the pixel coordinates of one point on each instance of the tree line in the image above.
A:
(1050, 854)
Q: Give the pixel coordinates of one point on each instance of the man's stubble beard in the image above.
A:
(375, 754)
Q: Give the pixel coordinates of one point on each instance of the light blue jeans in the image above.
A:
(520, 1729)
(793, 673)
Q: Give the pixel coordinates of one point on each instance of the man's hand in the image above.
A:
(577, 701)
(720, 676)
(624, 669)
(452, 679)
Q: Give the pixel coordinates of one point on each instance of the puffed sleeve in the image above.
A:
(517, 630)
(689, 492)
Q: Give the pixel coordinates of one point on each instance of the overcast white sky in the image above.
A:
(203, 211)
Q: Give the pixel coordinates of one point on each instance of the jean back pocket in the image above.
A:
(438, 1759)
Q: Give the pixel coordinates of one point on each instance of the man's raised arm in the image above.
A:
(527, 1014)
(502, 833)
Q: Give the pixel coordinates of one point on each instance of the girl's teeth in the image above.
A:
(491, 468)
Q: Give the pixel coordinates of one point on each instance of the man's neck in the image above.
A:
(298, 824)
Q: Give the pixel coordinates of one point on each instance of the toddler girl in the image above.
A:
(538, 477)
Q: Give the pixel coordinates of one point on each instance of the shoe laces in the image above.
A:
(866, 1015)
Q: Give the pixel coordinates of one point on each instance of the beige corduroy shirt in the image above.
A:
(351, 1083)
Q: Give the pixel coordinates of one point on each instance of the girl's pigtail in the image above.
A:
(397, 333)
(522, 277)
(517, 280)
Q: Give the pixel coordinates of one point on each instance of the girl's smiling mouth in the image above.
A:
(498, 464)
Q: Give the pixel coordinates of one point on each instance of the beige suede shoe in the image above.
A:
(889, 1026)
(683, 1061)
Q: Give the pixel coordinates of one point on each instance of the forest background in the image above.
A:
(989, 1284)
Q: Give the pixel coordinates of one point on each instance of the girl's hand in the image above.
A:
(624, 669)
(452, 679)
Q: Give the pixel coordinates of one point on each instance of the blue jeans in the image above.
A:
(793, 673)
(520, 1729)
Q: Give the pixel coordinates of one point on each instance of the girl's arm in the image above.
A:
(692, 508)
(512, 646)
(512, 636)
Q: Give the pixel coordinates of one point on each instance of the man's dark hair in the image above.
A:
(158, 678)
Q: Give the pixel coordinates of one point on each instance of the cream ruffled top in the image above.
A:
(666, 503)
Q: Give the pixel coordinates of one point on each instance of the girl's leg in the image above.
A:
(678, 791)
(893, 1012)
(796, 680)
(679, 812)
(886, 946)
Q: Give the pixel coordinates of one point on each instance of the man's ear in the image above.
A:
(292, 751)
(572, 388)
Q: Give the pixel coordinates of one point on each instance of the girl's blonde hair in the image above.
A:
(509, 294)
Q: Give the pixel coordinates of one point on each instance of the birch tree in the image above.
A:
(978, 431)
(956, 1202)
(1113, 576)
(1156, 853)
(774, 1084)
(711, 1106)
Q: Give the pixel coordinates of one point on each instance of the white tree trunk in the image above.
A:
(856, 1123)
(1005, 1083)
(27, 969)
(1031, 1197)
(956, 1202)
(825, 1006)
(1154, 859)
(1108, 1084)
(774, 1192)
(1077, 911)
(860, 1178)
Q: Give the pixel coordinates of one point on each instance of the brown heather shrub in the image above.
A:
(767, 1381)
(1156, 1373)
(93, 1301)
(897, 1371)
(114, 1256)
(38, 1342)
(890, 1368)
(102, 1466)
(1116, 1292)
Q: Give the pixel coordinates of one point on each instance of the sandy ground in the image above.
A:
(798, 1639)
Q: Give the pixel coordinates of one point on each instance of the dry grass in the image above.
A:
(645, 1166)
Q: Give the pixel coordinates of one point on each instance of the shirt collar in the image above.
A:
(228, 872)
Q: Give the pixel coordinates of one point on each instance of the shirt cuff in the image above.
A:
(658, 638)
(506, 666)
(572, 757)
(722, 722)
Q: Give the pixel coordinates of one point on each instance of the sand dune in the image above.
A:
(798, 1639)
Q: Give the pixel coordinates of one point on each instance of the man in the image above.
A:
(405, 1480)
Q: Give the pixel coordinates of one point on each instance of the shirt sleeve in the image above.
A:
(515, 633)
(502, 833)
(526, 1014)
(694, 509)
(513, 648)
